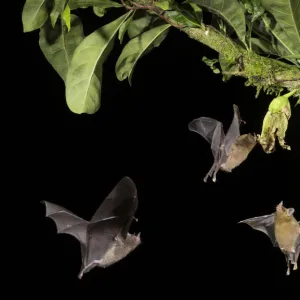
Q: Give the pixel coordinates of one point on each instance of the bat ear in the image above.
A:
(291, 211)
(279, 206)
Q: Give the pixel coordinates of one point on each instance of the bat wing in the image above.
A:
(211, 130)
(264, 224)
(66, 221)
(297, 248)
(121, 202)
(234, 130)
(205, 127)
(101, 237)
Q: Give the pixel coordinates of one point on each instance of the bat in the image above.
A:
(283, 230)
(105, 239)
(229, 150)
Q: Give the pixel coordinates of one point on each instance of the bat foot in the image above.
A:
(288, 271)
(295, 267)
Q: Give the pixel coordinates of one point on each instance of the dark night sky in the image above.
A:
(189, 229)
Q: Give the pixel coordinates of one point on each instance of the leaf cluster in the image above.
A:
(265, 27)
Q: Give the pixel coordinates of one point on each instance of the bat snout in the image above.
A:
(138, 238)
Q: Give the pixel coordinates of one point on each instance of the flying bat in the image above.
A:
(105, 239)
(229, 150)
(283, 230)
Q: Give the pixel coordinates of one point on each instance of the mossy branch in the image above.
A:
(260, 71)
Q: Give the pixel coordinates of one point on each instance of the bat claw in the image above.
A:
(135, 219)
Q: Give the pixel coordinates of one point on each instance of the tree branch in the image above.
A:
(259, 71)
(155, 9)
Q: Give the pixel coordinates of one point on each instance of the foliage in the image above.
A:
(256, 39)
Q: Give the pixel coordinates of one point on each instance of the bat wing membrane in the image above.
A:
(206, 127)
(101, 236)
(234, 130)
(122, 201)
(297, 248)
(212, 131)
(264, 224)
(66, 221)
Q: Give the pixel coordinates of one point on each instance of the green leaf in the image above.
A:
(286, 27)
(182, 18)
(99, 11)
(136, 47)
(222, 26)
(58, 44)
(74, 4)
(197, 12)
(298, 102)
(139, 24)
(292, 56)
(261, 46)
(103, 5)
(57, 9)
(192, 12)
(124, 27)
(254, 7)
(156, 43)
(84, 77)
(163, 4)
(66, 16)
(266, 37)
(231, 11)
(34, 14)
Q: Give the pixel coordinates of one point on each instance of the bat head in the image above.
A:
(248, 140)
(132, 240)
(283, 212)
(123, 247)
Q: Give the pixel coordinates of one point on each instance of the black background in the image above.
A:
(189, 229)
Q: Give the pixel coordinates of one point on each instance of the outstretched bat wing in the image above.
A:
(211, 130)
(66, 221)
(206, 127)
(234, 130)
(121, 202)
(264, 224)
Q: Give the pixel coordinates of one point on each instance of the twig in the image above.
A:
(155, 9)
